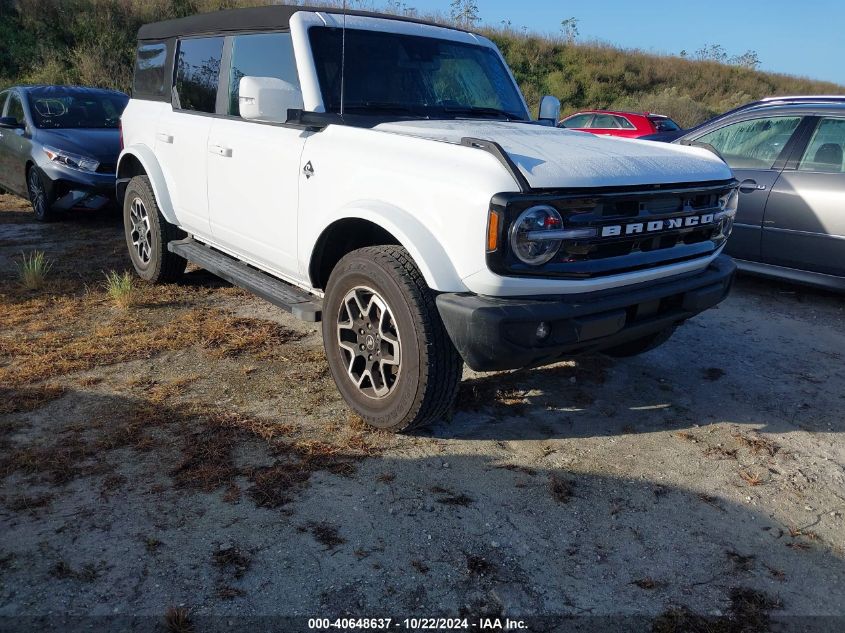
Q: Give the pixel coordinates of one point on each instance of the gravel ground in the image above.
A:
(702, 479)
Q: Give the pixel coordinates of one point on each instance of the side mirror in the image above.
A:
(549, 110)
(267, 99)
(11, 123)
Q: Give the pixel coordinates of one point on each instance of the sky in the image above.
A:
(806, 39)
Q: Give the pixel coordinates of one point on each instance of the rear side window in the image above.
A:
(826, 151)
(150, 70)
(606, 121)
(198, 73)
(260, 55)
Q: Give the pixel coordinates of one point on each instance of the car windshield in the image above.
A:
(52, 108)
(406, 75)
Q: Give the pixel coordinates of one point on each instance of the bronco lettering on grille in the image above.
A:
(635, 228)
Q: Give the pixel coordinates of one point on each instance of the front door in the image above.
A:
(15, 146)
(182, 133)
(804, 225)
(254, 168)
(754, 149)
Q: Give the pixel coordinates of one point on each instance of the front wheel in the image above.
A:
(39, 195)
(387, 348)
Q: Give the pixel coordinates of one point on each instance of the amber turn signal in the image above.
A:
(493, 231)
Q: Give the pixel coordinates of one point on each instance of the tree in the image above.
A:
(569, 26)
(749, 59)
(712, 53)
(465, 13)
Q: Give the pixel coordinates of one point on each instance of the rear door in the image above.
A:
(756, 150)
(181, 144)
(804, 224)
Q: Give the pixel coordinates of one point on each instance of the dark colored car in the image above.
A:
(59, 146)
(790, 160)
(614, 123)
(668, 136)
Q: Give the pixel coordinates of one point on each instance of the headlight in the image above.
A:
(74, 161)
(728, 203)
(532, 236)
(538, 232)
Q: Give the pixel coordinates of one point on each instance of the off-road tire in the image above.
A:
(640, 345)
(40, 197)
(159, 265)
(430, 370)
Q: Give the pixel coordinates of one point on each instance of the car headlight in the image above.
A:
(74, 161)
(538, 232)
(728, 204)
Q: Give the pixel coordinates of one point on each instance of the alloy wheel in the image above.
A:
(369, 342)
(37, 195)
(140, 232)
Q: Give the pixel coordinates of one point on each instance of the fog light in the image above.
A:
(543, 330)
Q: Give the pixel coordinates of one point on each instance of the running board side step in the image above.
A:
(298, 302)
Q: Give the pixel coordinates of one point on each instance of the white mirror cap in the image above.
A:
(549, 108)
(267, 99)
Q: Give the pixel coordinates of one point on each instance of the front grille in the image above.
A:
(633, 213)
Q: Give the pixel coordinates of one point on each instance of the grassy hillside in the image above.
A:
(91, 42)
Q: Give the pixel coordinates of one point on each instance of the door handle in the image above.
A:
(749, 186)
(164, 137)
(219, 150)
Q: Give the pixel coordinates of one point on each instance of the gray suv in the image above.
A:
(788, 157)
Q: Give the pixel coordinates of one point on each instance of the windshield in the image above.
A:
(409, 75)
(53, 109)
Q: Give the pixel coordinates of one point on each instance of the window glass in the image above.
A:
(408, 74)
(825, 151)
(73, 108)
(260, 55)
(605, 121)
(15, 108)
(663, 124)
(150, 64)
(625, 123)
(198, 73)
(577, 121)
(3, 96)
(754, 144)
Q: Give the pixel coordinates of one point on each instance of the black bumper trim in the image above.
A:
(494, 334)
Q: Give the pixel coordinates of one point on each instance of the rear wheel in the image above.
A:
(39, 196)
(148, 233)
(387, 349)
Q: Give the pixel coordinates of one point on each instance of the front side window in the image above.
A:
(15, 109)
(150, 64)
(754, 144)
(413, 76)
(579, 121)
(260, 55)
(71, 108)
(198, 73)
(826, 148)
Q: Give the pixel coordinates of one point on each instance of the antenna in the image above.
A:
(343, 61)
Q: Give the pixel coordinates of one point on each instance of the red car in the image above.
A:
(627, 124)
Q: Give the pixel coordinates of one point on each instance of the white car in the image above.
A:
(383, 175)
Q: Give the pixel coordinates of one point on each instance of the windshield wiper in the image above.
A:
(378, 106)
(474, 110)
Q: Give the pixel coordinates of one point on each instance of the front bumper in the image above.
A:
(73, 188)
(495, 334)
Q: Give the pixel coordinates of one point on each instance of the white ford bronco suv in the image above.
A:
(383, 175)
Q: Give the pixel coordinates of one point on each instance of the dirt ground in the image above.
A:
(186, 462)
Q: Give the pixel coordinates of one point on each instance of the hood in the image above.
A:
(552, 158)
(102, 144)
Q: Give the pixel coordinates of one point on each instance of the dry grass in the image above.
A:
(120, 287)
(324, 533)
(757, 444)
(28, 399)
(752, 479)
(560, 489)
(178, 620)
(748, 613)
(33, 269)
(232, 560)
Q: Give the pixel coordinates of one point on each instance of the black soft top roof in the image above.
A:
(251, 19)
